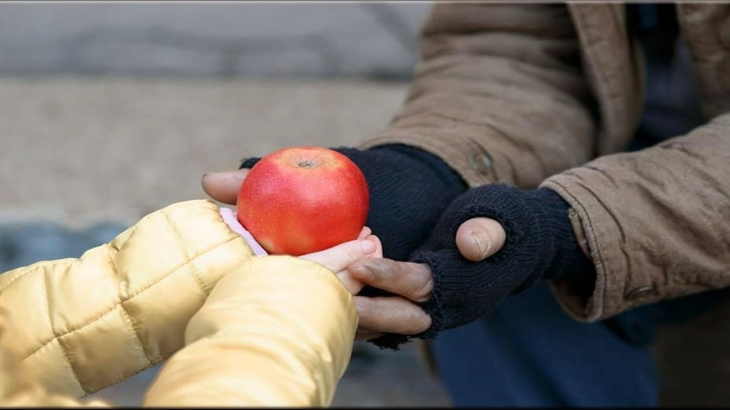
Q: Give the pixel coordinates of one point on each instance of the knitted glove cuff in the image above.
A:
(249, 162)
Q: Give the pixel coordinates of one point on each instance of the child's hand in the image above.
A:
(339, 257)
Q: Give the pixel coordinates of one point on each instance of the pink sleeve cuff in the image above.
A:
(229, 217)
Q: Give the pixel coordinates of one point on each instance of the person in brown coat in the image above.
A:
(556, 176)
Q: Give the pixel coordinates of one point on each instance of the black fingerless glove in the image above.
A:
(540, 244)
(409, 189)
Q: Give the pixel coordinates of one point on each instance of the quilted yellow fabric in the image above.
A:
(277, 330)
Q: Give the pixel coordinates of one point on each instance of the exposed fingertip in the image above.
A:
(472, 245)
(482, 244)
(480, 238)
(364, 233)
(212, 179)
(222, 186)
(211, 175)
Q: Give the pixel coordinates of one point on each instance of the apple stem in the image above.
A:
(307, 163)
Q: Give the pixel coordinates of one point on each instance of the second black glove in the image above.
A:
(540, 244)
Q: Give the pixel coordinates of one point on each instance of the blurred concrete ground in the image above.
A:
(92, 86)
(81, 159)
(211, 39)
(83, 151)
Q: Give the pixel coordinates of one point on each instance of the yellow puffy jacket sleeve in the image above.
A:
(277, 333)
(74, 326)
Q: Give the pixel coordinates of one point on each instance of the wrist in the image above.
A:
(568, 258)
(409, 190)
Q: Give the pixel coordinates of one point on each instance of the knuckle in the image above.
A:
(361, 272)
(419, 292)
(420, 284)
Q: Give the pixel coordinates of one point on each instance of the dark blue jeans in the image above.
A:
(528, 352)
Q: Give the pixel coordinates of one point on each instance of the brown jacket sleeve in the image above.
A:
(498, 94)
(656, 222)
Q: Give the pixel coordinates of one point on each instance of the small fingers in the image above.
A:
(339, 257)
(365, 232)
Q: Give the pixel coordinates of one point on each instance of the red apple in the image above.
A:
(300, 200)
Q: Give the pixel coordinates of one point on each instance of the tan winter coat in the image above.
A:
(238, 329)
(549, 95)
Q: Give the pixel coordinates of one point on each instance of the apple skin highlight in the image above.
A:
(300, 200)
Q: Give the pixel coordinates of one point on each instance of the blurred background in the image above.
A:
(109, 111)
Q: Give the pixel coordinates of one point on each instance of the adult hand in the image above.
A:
(410, 283)
(538, 243)
(223, 186)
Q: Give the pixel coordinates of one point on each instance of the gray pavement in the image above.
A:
(85, 151)
(211, 39)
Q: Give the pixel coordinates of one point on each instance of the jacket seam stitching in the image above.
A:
(138, 293)
(195, 272)
(125, 314)
(38, 266)
(600, 85)
(131, 325)
(64, 348)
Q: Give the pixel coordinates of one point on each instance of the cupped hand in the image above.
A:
(411, 283)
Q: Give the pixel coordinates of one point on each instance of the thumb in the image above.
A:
(479, 238)
(223, 186)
